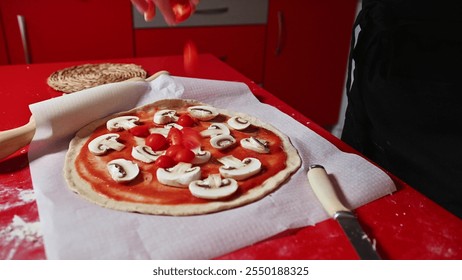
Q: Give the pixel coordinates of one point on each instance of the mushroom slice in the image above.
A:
(145, 153)
(179, 175)
(203, 113)
(237, 169)
(161, 130)
(222, 142)
(213, 187)
(165, 116)
(201, 157)
(166, 129)
(122, 123)
(215, 129)
(123, 170)
(255, 144)
(175, 125)
(238, 123)
(101, 144)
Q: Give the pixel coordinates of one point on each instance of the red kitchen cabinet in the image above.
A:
(307, 53)
(68, 30)
(3, 52)
(242, 47)
(234, 31)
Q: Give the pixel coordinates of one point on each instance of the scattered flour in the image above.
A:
(15, 197)
(19, 233)
(27, 196)
(20, 229)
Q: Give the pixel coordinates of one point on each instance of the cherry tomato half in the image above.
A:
(165, 161)
(182, 9)
(140, 130)
(175, 136)
(173, 150)
(184, 155)
(150, 12)
(186, 121)
(157, 142)
(191, 138)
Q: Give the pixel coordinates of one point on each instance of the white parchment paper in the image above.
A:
(74, 228)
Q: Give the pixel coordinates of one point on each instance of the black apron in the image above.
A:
(405, 100)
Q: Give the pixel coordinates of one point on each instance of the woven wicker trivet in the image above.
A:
(84, 76)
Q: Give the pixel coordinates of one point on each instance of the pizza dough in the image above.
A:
(115, 176)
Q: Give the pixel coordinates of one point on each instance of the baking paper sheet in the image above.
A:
(74, 228)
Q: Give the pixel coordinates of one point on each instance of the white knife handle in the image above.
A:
(324, 190)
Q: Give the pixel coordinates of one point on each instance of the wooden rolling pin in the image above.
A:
(14, 139)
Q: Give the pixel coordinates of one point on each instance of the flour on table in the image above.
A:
(15, 197)
(27, 196)
(16, 233)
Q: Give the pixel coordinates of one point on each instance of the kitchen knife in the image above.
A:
(325, 192)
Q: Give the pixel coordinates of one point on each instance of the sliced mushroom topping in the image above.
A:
(237, 169)
(222, 142)
(255, 144)
(215, 129)
(213, 187)
(160, 130)
(166, 129)
(102, 144)
(238, 123)
(203, 113)
(123, 170)
(122, 123)
(175, 125)
(179, 176)
(145, 153)
(201, 157)
(165, 116)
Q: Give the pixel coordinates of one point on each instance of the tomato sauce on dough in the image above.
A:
(146, 189)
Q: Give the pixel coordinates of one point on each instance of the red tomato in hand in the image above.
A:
(182, 9)
(184, 155)
(165, 161)
(186, 121)
(150, 12)
(174, 136)
(191, 138)
(140, 131)
(157, 142)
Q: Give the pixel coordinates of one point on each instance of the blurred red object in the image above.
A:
(190, 57)
(151, 12)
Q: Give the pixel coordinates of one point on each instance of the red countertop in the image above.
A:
(405, 225)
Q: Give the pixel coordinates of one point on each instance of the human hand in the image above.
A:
(174, 11)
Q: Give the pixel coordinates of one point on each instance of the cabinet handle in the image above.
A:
(23, 32)
(215, 11)
(279, 44)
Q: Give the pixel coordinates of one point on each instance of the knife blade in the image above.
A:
(325, 192)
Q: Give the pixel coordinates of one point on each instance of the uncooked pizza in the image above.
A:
(178, 157)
